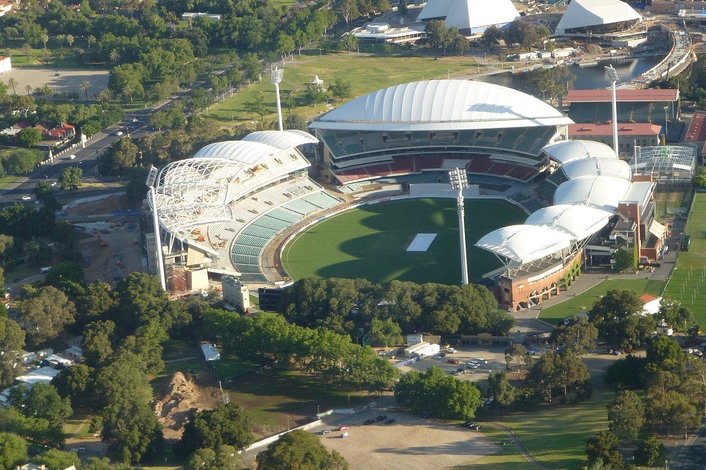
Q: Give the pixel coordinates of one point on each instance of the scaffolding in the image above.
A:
(666, 163)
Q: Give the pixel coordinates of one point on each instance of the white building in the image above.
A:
(191, 15)
(5, 63)
(596, 17)
(236, 293)
(422, 349)
(471, 17)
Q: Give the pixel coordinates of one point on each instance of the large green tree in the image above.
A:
(438, 394)
(626, 414)
(222, 458)
(227, 424)
(619, 319)
(302, 451)
(70, 178)
(564, 373)
(604, 447)
(29, 137)
(132, 430)
(576, 335)
(13, 450)
(46, 314)
(120, 157)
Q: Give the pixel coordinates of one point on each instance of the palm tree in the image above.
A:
(91, 41)
(114, 56)
(12, 82)
(26, 49)
(85, 85)
(28, 88)
(69, 39)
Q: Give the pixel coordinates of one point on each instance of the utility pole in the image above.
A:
(459, 182)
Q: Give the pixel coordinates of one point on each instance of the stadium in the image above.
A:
(249, 208)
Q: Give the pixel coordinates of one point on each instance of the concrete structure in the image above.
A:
(471, 17)
(5, 63)
(422, 349)
(386, 33)
(588, 17)
(197, 280)
(236, 293)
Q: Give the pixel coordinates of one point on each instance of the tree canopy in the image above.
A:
(300, 450)
(227, 424)
(619, 320)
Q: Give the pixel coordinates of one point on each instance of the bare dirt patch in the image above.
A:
(61, 80)
(408, 443)
(183, 398)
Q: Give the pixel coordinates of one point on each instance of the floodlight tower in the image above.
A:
(459, 182)
(151, 180)
(613, 76)
(276, 79)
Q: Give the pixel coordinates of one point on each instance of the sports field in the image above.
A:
(688, 281)
(371, 242)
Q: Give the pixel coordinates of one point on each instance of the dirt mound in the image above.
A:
(183, 398)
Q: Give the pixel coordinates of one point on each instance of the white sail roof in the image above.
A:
(578, 221)
(603, 192)
(441, 105)
(586, 13)
(597, 166)
(569, 150)
(283, 140)
(475, 15)
(524, 243)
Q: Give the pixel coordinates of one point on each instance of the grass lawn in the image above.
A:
(668, 204)
(555, 435)
(77, 426)
(371, 242)
(584, 301)
(281, 398)
(689, 275)
(365, 73)
(5, 180)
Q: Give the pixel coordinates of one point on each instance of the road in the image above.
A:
(691, 456)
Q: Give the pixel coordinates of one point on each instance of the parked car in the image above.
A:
(343, 428)
(368, 421)
(450, 350)
(390, 421)
(380, 418)
(26, 198)
(453, 361)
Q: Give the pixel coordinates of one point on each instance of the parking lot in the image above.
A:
(406, 443)
(487, 359)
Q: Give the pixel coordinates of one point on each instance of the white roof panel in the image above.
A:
(597, 166)
(441, 105)
(586, 13)
(603, 192)
(524, 243)
(569, 150)
(241, 151)
(283, 140)
(578, 221)
(470, 14)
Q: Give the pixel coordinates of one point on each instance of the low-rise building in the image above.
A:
(5, 62)
(422, 349)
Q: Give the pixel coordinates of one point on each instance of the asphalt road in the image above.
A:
(691, 456)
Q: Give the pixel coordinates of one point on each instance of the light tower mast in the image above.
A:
(459, 182)
(276, 78)
(613, 76)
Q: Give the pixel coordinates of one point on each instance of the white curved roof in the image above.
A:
(569, 150)
(470, 14)
(524, 243)
(586, 13)
(597, 166)
(282, 139)
(578, 221)
(240, 151)
(604, 192)
(441, 105)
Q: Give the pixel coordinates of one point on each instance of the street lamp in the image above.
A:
(150, 183)
(276, 78)
(613, 76)
(459, 182)
(666, 122)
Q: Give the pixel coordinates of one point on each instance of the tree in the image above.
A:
(94, 302)
(650, 452)
(29, 136)
(340, 89)
(295, 121)
(70, 178)
(45, 194)
(85, 85)
(491, 35)
(42, 401)
(626, 414)
(564, 372)
(438, 35)
(619, 320)
(75, 382)
(12, 340)
(221, 458)
(56, 459)
(604, 447)
(300, 450)
(121, 156)
(499, 389)
(385, 332)
(517, 354)
(13, 450)
(624, 260)
(521, 32)
(674, 314)
(46, 314)
(225, 425)
(21, 161)
(438, 394)
(132, 430)
(349, 10)
(665, 353)
(576, 335)
(12, 82)
(97, 342)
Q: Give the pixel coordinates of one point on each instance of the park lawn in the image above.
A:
(584, 301)
(366, 73)
(371, 242)
(277, 400)
(554, 435)
(77, 425)
(688, 278)
(6, 180)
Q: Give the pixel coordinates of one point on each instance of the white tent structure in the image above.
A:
(470, 16)
(569, 150)
(523, 244)
(578, 221)
(596, 16)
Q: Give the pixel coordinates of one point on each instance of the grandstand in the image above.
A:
(220, 208)
(430, 126)
(636, 106)
(599, 206)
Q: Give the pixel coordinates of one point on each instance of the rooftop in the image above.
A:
(623, 95)
(633, 128)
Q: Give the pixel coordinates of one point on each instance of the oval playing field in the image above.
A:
(371, 242)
